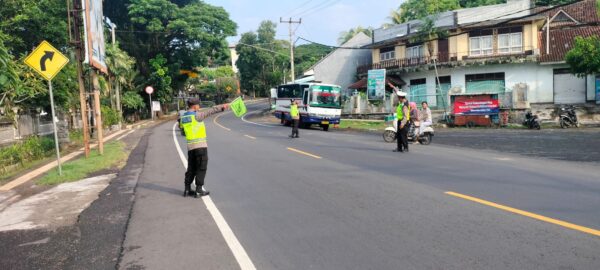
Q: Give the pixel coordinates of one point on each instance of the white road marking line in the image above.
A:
(123, 136)
(254, 123)
(234, 244)
(248, 136)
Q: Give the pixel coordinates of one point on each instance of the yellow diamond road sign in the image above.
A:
(46, 60)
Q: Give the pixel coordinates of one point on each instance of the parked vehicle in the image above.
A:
(532, 121)
(179, 115)
(389, 135)
(320, 104)
(568, 117)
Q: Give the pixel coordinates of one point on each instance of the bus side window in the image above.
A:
(305, 99)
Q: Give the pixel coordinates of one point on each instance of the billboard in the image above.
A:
(93, 22)
(376, 84)
(598, 90)
(479, 106)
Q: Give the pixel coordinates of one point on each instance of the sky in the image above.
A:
(322, 20)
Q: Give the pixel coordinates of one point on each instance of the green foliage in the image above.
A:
(160, 79)
(109, 116)
(553, 2)
(428, 32)
(132, 101)
(26, 23)
(33, 148)
(417, 9)
(584, 57)
(306, 56)
(187, 34)
(347, 35)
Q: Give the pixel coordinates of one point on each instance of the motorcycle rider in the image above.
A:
(425, 117)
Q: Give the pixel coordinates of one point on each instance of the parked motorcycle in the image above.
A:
(532, 121)
(568, 117)
(389, 135)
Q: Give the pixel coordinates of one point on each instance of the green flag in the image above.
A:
(238, 107)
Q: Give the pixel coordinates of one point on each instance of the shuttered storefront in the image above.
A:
(485, 83)
(568, 88)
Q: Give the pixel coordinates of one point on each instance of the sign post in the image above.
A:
(149, 91)
(48, 61)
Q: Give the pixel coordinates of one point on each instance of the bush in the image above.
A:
(33, 148)
(109, 116)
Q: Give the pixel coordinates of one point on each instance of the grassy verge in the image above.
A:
(114, 156)
(362, 125)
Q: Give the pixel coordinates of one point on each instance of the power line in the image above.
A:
(298, 7)
(311, 12)
(315, 7)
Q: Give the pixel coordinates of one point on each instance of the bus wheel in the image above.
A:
(325, 127)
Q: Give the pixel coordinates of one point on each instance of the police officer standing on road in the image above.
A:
(195, 134)
(402, 124)
(295, 114)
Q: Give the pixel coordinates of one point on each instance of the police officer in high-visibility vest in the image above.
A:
(403, 123)
(195, 134)
(295, 114)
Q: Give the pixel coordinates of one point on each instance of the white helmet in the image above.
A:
(401, 93)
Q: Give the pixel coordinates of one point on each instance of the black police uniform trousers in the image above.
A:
(295, 125)
(402, 136)
(197, 165)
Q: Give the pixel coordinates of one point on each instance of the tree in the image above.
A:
(187, 33)
(347, 35)
(418, 9)
(160, 79)
(427, 33)
(394, 18)
(584, 57)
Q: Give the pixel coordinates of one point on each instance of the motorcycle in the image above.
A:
(389, 135)
(568, 117)
(532, 121)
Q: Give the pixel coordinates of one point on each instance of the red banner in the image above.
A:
(479, 106)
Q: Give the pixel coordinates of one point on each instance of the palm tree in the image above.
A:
(394, 18)
(347, 35)
(122, 71)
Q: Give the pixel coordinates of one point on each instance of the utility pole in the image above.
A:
(290, 22)
(77, 43)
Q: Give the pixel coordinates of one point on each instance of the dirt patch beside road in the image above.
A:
(570, 144)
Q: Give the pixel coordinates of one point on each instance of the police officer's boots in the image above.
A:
(187, 191)
(201, 192)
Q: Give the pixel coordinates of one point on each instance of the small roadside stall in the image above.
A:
(470, 110)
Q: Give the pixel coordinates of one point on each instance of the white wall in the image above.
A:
(539, 78)
(340, 66)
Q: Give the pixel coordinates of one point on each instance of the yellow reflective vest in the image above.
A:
(195, 132)
(294, 113)
(400, 112)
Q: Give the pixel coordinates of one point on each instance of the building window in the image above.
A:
(510, 40)
(388, 53)
(481, 45)
(414, 51)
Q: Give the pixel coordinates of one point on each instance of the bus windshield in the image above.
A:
(325, 96)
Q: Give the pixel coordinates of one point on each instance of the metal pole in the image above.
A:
(548, 37)
(151, 112)
(54, 126)
(292, 52)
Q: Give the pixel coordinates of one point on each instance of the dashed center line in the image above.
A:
(527, 214)
(248, 136)
(303, 153)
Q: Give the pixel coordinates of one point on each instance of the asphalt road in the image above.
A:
(333, 200)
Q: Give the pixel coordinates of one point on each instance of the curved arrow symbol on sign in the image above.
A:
(47, 56)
